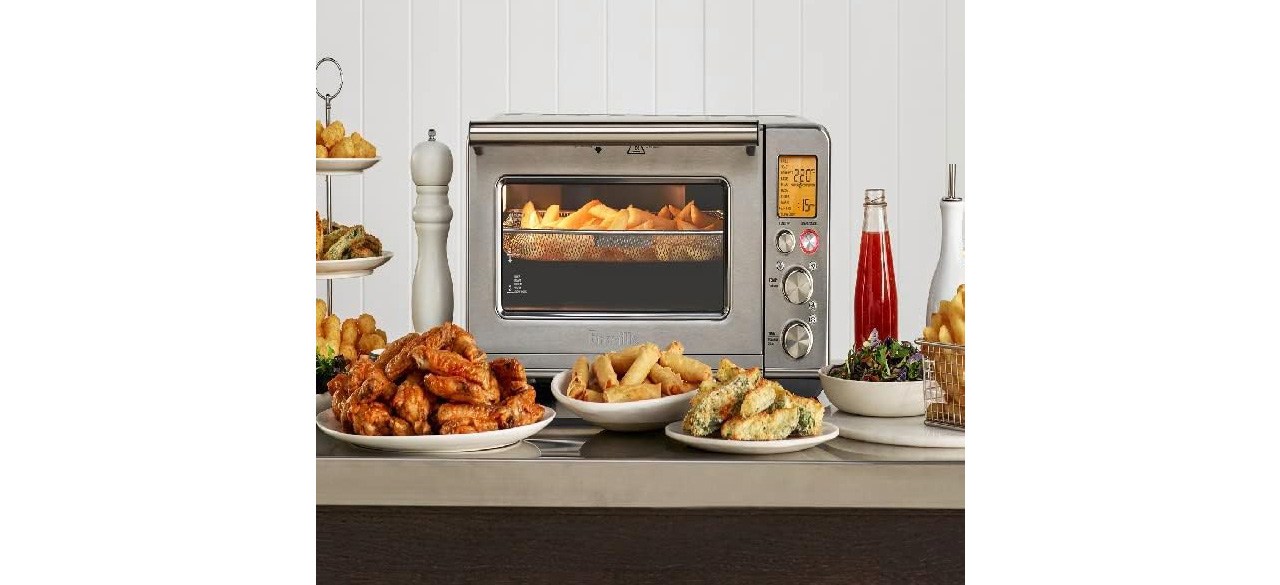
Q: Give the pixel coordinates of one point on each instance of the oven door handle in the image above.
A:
(691, 133)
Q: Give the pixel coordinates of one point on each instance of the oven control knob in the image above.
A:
(797, 286)
(786, 241)
(797, 340)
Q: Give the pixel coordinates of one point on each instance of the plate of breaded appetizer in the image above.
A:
(740, 411)
(638, 388)
(339, 154)
(346, 251)
(433, 392)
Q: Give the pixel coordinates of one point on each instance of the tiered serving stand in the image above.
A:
(329, 270)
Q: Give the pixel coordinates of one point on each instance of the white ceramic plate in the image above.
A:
(908, 431)
(873, 398)
(435, 443)
(350, 268)
(641, 415)
(674, 430)
(344, 166)
(323, 401)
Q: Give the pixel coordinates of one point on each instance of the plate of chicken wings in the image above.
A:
(433, 392)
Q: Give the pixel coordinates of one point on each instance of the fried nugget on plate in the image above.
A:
(333, 133)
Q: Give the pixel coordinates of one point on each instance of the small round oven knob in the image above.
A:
(786, 241)
(797, 340)
(797, 286)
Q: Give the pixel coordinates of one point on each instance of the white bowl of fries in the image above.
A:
(638, 388)
(640, 415)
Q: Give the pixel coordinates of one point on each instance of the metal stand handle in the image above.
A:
(328, 184)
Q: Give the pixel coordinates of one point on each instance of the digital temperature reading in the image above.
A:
(797, 186)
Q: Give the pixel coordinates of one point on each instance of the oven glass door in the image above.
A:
(613, 247)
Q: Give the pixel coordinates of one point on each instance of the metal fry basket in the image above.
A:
(943, 384)
(610, 246)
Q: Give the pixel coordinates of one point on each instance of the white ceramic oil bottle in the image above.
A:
(949, 273)
(432, 166)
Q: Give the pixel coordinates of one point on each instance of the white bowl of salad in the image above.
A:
(881, 378)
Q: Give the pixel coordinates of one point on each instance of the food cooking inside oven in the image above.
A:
(625, 245)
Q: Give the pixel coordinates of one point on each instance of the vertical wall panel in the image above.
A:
(922, 151)
(679, 40)
(630, 64)
(955, 88)
(885, 77)
(388, 188)
(436, 105)
(581, 50)
(533, 57)
(873, 120)
(483, 94)
(338, 35)
(778, 75)
(825, 70)
(728, 85)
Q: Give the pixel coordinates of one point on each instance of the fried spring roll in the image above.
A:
(670, 381)
(632, 393)
(578, 378)
(605, 376)
(690, 369)
(639, 370)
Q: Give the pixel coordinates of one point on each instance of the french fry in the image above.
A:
(665, 377)
(930, 334)
(577, 219)
(684, 225)
(594, 224)
(602, 211)
(697, 217)
(640, 367)
(955, 325)
(662, 223)
(632, 393)
(619, 222)
(944, 335)
(666, 213)
(635, 217)
(647, 225)
(552, 216)
(690, 369)
(605, 376)
(683, 214)
(716, 224)
(528, 216)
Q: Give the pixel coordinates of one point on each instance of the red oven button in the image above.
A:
(809, 241)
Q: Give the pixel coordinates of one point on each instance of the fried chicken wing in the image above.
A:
(392, 350)
(377, 386)
(401, 427)
(519, 409)
(510, 374)
(448, 363)
(464, 427)
(461, 342)
(410, 403)
(458, 389)
(372, 419)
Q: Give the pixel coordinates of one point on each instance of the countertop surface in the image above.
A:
(574, 464)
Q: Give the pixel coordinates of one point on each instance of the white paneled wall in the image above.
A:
(885, 77)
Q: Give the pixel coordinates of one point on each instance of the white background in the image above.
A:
(886, 78)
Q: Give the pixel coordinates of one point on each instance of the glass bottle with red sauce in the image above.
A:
(875, 297)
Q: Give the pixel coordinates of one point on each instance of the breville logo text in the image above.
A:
(619, 339)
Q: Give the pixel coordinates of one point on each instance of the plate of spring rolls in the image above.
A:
(638, 388)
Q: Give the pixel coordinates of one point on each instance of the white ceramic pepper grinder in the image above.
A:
(949, 273)
(432, 166)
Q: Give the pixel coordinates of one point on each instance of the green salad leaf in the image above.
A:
(887, 360)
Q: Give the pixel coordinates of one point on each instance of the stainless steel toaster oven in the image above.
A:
(586, 234)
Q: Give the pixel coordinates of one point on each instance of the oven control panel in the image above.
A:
(797, 208)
